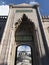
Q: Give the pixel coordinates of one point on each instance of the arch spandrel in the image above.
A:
(24, 21)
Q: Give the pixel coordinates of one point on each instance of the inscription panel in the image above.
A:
(24, 11)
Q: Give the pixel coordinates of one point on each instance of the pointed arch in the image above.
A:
(26, 28)
(24, 21)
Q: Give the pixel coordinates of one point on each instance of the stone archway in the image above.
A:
(25, 34)
(23, 55)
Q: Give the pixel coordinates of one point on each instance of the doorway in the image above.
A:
(23, 55)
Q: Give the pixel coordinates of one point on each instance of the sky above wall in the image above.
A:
(44, 5)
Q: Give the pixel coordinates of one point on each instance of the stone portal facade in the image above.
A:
(24, 26)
